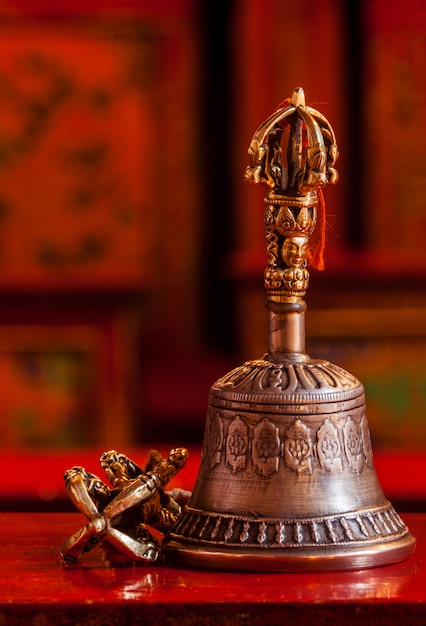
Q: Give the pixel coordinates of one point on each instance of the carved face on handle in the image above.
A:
(294, 251)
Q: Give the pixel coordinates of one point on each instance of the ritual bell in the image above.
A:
(287, 481)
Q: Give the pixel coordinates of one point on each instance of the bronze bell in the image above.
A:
(287, 481)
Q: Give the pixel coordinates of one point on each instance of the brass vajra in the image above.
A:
(124, 513)
(294, 178)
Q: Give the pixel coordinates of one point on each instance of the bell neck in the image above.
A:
(289, 222)
(286, 330)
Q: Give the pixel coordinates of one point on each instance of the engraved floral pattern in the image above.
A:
(265, 446)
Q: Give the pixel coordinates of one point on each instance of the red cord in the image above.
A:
(316, 257)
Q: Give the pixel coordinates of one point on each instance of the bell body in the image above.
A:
(287, 480)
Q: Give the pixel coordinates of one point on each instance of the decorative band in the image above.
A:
(310, 200)
(377, 525)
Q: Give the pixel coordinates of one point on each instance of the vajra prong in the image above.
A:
(123, 514)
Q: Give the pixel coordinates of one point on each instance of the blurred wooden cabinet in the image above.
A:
(362, 66)
(98, 209)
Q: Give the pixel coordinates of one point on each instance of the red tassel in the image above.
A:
(316, 258)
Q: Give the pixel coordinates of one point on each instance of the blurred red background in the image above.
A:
(131, 252)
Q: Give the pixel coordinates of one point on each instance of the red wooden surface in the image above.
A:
(37, 588)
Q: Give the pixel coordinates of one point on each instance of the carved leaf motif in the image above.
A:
(272, 378)
(215, 439)
(245, 532)
(353, 445)
(266, 448)
(366, 442)
(272, 249)
(280, 535)
(329, 448)
(239, 375)
(261, 535)
(237, 445)
(298, 448)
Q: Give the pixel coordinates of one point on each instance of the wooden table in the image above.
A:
(37, 589)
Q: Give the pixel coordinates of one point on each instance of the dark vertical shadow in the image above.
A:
(217, 301)
(354, 90)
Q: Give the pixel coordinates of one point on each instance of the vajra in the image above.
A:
(124, 513)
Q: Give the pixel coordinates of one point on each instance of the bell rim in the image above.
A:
(288, 560)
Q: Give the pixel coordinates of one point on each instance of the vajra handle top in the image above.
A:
(293, 153)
